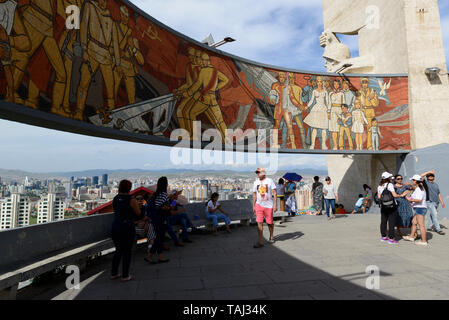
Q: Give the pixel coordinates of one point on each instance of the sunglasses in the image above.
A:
(399, 179)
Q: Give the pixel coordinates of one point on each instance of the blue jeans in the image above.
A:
(181, 219)
(329, 203)
(432, 219)
(218, 216)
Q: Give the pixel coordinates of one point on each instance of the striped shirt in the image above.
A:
(162, 199)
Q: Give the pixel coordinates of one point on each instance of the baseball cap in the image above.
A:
(387, 175)
(261, 170)
(416, 177)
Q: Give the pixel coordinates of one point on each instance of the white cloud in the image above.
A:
(266, 31)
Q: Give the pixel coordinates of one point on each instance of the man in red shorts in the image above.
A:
(264, 191)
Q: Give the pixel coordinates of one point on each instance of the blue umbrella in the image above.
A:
(292, 177)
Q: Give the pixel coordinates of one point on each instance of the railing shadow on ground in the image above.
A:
(224, 267)
(289, 236)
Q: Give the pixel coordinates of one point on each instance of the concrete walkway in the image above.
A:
(312, 259)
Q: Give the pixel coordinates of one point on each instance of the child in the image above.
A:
(375, 134)
(345, 122)
(358, 122)
(359, 207)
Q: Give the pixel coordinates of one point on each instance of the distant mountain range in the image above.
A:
(4, 173)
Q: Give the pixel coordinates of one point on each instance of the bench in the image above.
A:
(31, 251)
(239, 211)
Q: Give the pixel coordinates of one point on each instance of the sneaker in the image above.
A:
(384, 239)
(258, 245)
(420, 243)
(408, 238)
(392, 241)
(441, 233)
(271, 241)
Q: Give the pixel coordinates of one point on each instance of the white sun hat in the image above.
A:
(387, 175)
(416, 177)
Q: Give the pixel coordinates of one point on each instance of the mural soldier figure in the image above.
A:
(281, 91)
(337, 99)
(13, 37)
(130, 57)
(369, 101)
(38, 19)
(192, 71)
(69, 37)
(99, 39)
(204, 93)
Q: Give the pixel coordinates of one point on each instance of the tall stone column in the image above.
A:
(408, 39)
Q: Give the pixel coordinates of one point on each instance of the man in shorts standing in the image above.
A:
(264, 191)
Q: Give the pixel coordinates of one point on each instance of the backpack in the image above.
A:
(291, 187)
(376, 199)
(387, 200)
(151, 208)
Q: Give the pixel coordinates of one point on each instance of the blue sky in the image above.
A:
(283, 33)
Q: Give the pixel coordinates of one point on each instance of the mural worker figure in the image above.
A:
(98, 37)
(318, 117)
(337, 99)
(13, 37)
(38, 19)
(130, 57)
(299, 108)
(192, 72)
(204, 93)
(66, 46)
(345, 122)
(370, 101)
(281, 94)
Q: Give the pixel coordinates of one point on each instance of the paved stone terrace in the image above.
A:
(312, 259)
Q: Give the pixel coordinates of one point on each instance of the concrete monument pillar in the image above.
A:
(401, 36)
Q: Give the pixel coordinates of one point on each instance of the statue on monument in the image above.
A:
(338, 56)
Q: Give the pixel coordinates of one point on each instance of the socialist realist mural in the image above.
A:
(121, 70)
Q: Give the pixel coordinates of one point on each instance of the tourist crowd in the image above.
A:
(403, 206)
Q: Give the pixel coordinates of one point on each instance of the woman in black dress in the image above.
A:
(126, 209)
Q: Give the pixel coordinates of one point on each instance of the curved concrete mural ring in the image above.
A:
(124, 75)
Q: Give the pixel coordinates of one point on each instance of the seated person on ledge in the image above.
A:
(340, 209)
(178, 217)
(211, 213)
(359, 207)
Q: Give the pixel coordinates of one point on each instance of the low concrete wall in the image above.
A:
(22, 246)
